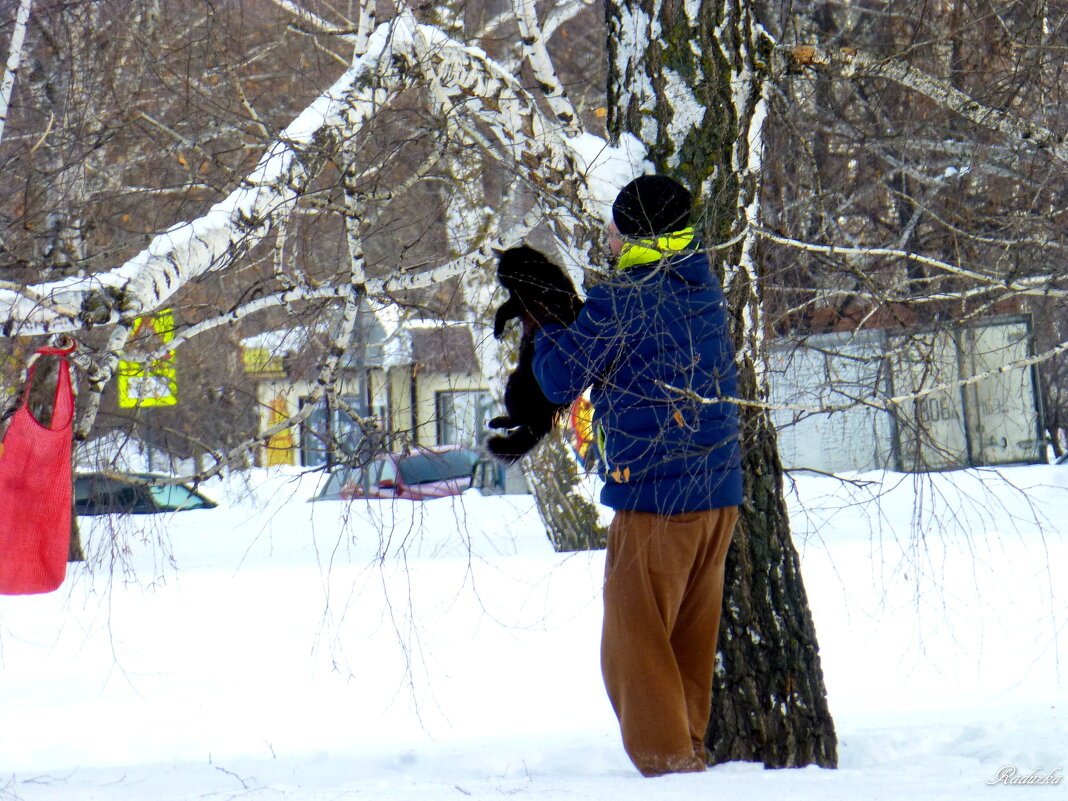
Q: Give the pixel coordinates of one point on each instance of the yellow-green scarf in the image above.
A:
(649, 251)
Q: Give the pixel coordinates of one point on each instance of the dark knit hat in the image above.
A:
(651, 205)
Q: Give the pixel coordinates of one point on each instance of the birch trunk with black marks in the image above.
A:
(688, 80)
(571, 521)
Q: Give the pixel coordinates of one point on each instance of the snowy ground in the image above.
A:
(276, 649)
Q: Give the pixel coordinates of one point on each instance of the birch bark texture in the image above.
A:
(688, 79)
(14, 56)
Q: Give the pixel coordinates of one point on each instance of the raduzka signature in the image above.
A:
(1010, 774)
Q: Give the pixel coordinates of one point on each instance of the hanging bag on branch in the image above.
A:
(35, 490)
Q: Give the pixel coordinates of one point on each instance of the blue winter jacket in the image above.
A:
(653, 343)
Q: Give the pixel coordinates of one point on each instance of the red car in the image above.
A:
(422, 474)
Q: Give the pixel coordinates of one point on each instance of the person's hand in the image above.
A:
(530, 326)
(541, 314)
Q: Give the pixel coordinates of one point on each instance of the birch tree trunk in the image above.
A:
(688, 80)
(571, 521)
(14, 56)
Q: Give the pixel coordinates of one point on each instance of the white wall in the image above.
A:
(993, 421)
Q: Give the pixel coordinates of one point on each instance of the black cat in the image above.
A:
(538, 292)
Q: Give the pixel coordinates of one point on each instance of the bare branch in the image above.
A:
(849, 62)
(286, 297)
(885, 404)
(1033, 285)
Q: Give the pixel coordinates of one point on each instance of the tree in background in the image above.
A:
(916, 181)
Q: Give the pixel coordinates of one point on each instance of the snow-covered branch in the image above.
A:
(478, 100)
(311, 21)
(231, 227)
(466, 82)
(563, 13)
(36, 299)
(538, 56)
(469, 83)
(366, 25)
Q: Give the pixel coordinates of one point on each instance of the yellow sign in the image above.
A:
(261, 362)
(155, 383)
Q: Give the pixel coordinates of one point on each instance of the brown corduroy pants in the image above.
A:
(663, 595)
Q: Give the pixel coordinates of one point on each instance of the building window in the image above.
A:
(329, 435)
(462, 416)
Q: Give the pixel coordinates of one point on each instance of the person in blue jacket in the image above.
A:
(653, 343)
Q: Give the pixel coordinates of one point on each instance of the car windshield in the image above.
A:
(338, 479)
(423, 468)
(98, 495)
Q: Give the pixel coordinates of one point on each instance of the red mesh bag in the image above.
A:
(35, 491)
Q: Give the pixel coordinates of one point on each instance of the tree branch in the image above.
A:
(850, 62)
(533, 41)
(1033, 285)
(887, 403)
(230, 228)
